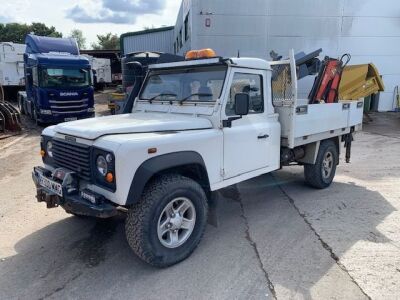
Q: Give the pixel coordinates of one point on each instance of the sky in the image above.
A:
(92, 16)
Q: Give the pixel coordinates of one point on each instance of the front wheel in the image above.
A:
(167, 224)
(321, 174)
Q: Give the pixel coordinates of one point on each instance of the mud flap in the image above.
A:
(213, 209)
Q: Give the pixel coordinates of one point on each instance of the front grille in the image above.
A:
(69, 106)
(72, 156)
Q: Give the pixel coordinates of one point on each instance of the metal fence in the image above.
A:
(282, 85)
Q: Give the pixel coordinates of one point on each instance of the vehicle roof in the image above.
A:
(242, 62)
(44, 44)
(251, 63)
(59, 59)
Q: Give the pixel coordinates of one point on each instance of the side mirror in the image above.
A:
(242, 107)
(242, 103)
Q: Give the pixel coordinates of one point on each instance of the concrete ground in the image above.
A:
(277, 238)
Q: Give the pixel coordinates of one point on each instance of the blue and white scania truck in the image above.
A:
(58, 81)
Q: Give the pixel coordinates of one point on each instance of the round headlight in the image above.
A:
(101, 164)
(49, 149)
(109, 158)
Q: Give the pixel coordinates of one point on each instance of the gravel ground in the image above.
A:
(277, 237)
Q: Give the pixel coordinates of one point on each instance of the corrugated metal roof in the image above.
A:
(157, 40)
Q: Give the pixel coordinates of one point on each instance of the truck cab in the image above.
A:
(197, 126)
(58, 81)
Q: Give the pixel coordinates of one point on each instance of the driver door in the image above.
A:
(247, 142)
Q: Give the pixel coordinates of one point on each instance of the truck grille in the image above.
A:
(69, 106)
(72, 156)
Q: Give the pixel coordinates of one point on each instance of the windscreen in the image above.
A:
(64, 78)
(200, 84)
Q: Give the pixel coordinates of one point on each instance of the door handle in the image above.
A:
(265, 136)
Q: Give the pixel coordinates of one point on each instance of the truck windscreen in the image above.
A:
(64, 78)
(200, 84)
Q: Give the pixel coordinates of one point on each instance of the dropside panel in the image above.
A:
(320, 118)
(356, 113)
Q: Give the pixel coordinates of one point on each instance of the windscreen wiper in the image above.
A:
(196, 94)
(160, 95)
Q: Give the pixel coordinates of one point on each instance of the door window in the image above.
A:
(250, 84)
(35, 77)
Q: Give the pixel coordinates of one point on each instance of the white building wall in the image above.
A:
(367, 29)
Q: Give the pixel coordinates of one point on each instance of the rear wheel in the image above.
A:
(168, 223)
(321, 174)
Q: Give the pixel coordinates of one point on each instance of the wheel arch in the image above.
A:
(312, 149)
(187, 163)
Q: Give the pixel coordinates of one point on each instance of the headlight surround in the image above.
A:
(103, 168)
(44, 142)
(49, 149)
(102, 165)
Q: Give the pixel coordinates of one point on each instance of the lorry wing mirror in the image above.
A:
(242, 103)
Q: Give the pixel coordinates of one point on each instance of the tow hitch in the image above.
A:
(61, 188)
(51, 200)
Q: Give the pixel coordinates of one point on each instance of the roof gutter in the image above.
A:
(190, 63)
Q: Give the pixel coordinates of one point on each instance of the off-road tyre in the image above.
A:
(142, 220)
(314, 174)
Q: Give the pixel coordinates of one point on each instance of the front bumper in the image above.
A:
(59, 118)
(75, 201)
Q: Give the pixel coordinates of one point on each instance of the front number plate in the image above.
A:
(50, 185)
(70, 119)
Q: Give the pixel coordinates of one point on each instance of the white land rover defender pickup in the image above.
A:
(196, 127)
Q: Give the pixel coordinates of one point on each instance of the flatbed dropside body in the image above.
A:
(303, 123)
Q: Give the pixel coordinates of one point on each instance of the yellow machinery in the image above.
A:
(360, 81)
(115, 102)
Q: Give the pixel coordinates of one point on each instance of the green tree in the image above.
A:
(78, 36)
(13, 32)
(107, 41)
(42, 30)
(16, 32)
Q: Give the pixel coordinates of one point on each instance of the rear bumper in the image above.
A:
(73, 200)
